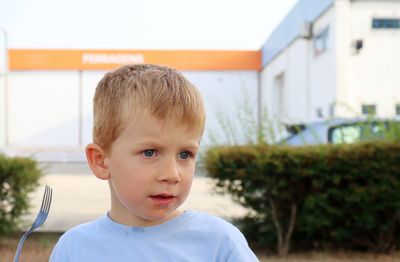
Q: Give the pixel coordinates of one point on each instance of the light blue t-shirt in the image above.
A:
(191, 236)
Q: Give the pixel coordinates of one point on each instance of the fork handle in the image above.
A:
(20, 244)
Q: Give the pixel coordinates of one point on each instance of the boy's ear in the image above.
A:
(96, 159)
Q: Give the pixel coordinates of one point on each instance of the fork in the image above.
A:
(41, 217)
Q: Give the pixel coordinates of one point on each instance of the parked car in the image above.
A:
(339, 131)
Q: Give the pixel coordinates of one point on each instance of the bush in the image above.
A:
(18, 177)
(340, 196)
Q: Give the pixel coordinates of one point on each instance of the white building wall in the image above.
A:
(374, 73)
(343, 106)
(2, 113)
(89, 83)
(291, 64)
(50, 112)
(309, 80)
(43, 109)
(269, 75)
(338, 78)
(225, 94)
(296, 80)
(3, 72)
(322, 71)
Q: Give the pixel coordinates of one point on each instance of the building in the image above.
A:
(333, 58)
(47, 94)
(327, 58)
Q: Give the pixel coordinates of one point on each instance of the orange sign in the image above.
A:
(38, 59)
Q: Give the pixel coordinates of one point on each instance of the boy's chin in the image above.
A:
(161, 217)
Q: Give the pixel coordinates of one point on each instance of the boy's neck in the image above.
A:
(134, 221)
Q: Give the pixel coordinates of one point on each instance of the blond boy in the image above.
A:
(148, 123)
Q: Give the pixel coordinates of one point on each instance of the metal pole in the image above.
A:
(80, 99)
(6, 69)
(308, 83)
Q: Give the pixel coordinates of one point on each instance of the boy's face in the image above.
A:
(151, 167)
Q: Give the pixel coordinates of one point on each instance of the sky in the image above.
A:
(144, 24)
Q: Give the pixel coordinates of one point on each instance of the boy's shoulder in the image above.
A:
(80, 230)
(219, 233)
(214, 225)
(201, 216)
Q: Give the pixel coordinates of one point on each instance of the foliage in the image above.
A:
(344, 196)
(18, 177)
(247, 124)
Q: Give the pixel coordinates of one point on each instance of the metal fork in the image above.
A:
(41, 217)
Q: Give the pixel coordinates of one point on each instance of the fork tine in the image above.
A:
(46, 204)
(48, 196)
(44, 209)
(44, 198)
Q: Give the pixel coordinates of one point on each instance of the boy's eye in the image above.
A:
(148, 153)
(184, 154)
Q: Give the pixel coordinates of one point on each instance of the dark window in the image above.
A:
(368, 109)
(398, 110)
(386, 23)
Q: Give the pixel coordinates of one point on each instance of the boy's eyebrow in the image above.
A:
(192, 146)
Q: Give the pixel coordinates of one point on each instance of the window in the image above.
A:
(346, 134)
(320, 42)
(398, 110)
(386, 23)
(368, 109)
(364, 131)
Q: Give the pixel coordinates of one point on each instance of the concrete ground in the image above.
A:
(78, 197)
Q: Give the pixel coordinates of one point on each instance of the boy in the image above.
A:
(148, 122)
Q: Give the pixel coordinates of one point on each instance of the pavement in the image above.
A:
(79, 197)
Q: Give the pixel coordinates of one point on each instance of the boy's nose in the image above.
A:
(170, 173)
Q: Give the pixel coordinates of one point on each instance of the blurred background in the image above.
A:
(292, 62)
(300, 61)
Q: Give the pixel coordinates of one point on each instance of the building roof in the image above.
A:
(290, 28)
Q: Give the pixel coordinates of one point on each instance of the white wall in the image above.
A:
(224, 94)
(292, 64)
(48, 118)
(342, 43)
(297, 80)
(323, 68)
(89, 83)
(309, 79)
(3, 72)
(374, 73)
(2, 113)
(267, 81)
(43, 109)
(339, 76)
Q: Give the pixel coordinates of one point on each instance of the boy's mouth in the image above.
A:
(162, 196)
(163, 199)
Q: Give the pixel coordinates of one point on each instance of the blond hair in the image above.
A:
(130, 90)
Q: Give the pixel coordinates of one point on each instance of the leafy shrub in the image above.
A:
(347, 195)
(18, 177)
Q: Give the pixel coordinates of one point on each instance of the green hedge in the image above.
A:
(317, 196)
(18, 177)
